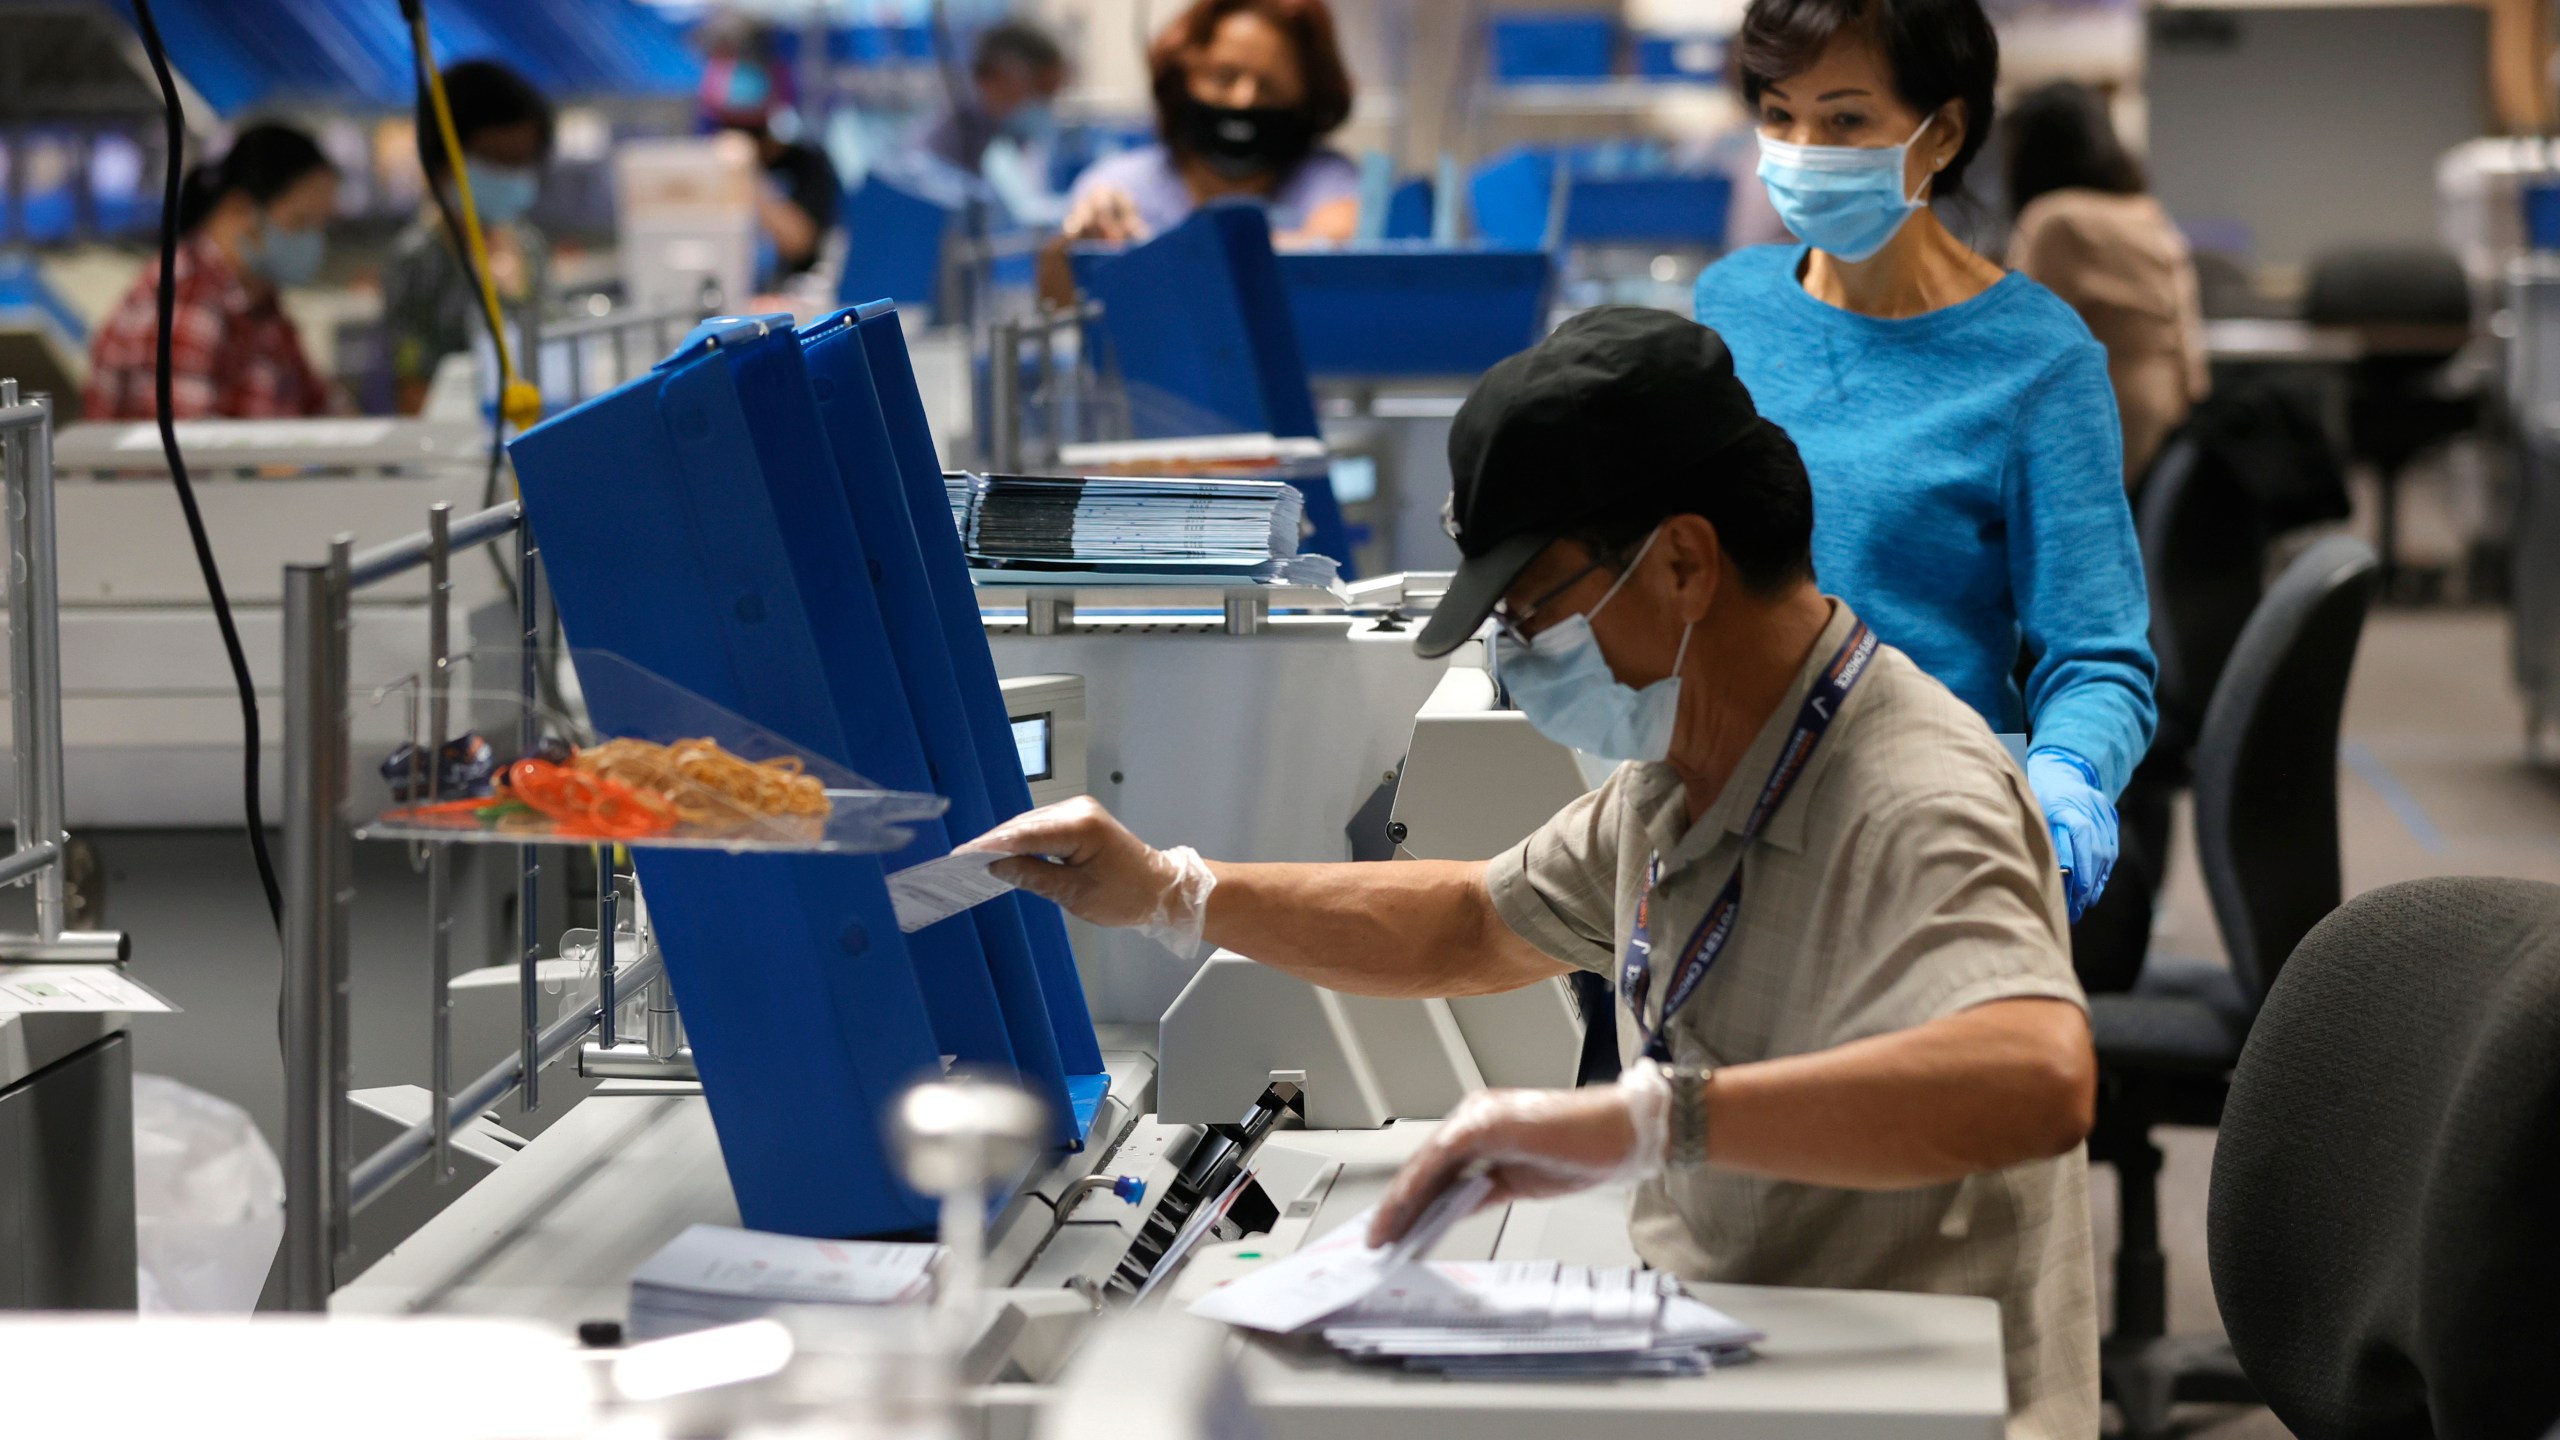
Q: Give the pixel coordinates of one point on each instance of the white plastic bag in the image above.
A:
(208, 1200)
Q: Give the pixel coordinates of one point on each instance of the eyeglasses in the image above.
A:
(1508, 623)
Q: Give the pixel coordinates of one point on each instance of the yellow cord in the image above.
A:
(518, 400)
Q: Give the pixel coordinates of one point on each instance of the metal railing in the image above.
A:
(35, 690)
(1080, 398)
(575, 344)
(325, 1183)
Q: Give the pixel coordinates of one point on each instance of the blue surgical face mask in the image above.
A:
(1032, 122)
(287, 258)
(1562, 682)
(1844, 200)
(503, 194)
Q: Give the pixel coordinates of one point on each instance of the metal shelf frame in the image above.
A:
(35, 690)
(325, 1182)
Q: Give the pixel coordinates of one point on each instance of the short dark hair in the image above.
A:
(1307, 23)
(1938, 50)
(2058, 137)
(485, 95)
(1760, 502)
(264, 161)
(1016, 42)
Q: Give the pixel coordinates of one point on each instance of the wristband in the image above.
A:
(1687, 1147)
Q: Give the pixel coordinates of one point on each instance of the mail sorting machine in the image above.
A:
(763, 520)
(690, 516)
(678, 497)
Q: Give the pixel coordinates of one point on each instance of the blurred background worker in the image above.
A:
(430, 307)
(1015, 75)
(799, 207)
(1245, 93)
(252, 223)
(2086, 228)
(1956, 418)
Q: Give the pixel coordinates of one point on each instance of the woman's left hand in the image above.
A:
(2083, 822)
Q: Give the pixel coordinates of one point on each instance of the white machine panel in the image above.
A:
(1248, 747)
(1049, 734)
(1445, 810)
(1366, 1061)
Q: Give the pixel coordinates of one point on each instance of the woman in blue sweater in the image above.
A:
(1957, 420)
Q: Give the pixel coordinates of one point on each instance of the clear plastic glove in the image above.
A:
(1077, 855)
(1537, 1143)
(2083, 821)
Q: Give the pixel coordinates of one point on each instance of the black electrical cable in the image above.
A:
(163, 384)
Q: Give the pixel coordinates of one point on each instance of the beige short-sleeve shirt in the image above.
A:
(1907, 876)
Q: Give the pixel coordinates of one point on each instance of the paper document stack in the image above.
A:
(1478, 1320)
(1197, 531)
(1538, 1317)
(714, 1275)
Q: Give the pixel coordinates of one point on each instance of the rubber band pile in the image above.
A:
(634, 789)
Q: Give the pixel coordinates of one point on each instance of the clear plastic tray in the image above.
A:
(485, 698)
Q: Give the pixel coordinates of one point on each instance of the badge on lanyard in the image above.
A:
(1706, 943)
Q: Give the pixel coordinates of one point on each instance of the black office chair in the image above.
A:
(2382, 1217)
(2249, 466)
(2412, 309)
(2266, 784)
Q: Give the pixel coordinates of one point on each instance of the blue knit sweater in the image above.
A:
(1968, 492)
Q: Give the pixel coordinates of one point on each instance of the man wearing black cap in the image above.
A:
(1855, 1052)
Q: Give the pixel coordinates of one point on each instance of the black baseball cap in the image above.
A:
(1620, 415)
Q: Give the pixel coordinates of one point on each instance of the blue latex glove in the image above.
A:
(2083, 821)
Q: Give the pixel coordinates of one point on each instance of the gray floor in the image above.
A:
(201, 937)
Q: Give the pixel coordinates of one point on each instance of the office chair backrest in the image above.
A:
(2387, 285)
(2380, 1224)
(2204, 561)
(2266, 760)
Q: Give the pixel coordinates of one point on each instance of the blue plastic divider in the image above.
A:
(1565, 46)
(1043, 1006)
(1197, 321)
(1680, 209)
(1514, 203)
(2542, 215)
(1409, 211)
(973, 664)
(1198, 317)
(1511, 197)
(241, 54)
(894, 239)
(986, 1002)
(1405, 311)
(806, 1016)
(23, 287)
(1691, 58)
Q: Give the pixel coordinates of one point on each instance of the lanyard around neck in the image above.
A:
(1706, 943)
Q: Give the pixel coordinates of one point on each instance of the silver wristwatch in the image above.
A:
(1687, 1145)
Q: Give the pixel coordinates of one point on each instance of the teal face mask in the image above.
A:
(503, 194)
(1032, 122)
(1844, 200)
(286, 258)
(1563, 683)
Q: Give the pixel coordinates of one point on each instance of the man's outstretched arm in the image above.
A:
(1405, 928)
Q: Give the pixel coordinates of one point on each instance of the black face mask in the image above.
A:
(1243, 144)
